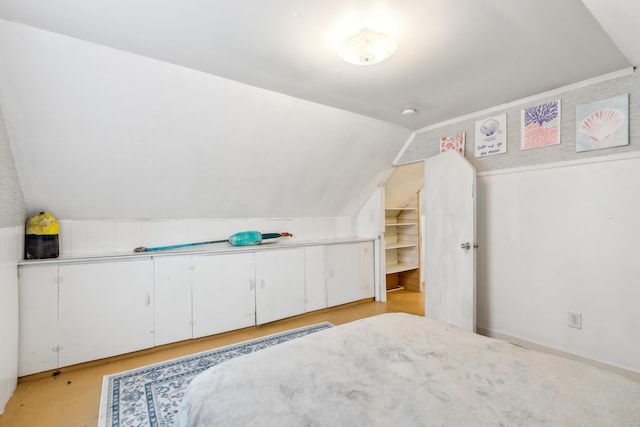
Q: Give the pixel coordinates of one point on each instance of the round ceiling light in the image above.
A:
(367, 47)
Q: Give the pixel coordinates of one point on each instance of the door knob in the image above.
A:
(467, 245)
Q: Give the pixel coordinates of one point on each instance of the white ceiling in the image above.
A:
(136, 109)
(99, 133)
(454, 56)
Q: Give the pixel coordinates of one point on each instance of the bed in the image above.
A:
(405, 370)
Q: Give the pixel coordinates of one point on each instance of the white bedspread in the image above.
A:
(403, 370)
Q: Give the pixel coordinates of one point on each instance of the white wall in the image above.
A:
(559, 238)
(12, 216)
(103, 237)
(10, 251)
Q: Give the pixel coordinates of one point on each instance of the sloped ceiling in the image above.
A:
(454, 56)
(158, 109)
(403, 184)
(100, 133)
(621, 20)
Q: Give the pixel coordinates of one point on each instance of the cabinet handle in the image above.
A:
(252, 284)
(147, 299)
(262, 284)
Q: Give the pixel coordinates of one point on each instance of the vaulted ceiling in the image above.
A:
(247, 102)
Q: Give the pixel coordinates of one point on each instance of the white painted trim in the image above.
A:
(409, 163)
(378, 282)
(563, 164)
(387, 176)
(406, 145)
(599, 79)
(529, 345)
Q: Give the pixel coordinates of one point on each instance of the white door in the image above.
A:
(349, 272)
(449, 206)
(280, 287)
(315, 281)
(105, 309)
(223, 292)
(172, 304)
(38, 310)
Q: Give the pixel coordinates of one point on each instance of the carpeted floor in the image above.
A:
(150, 396)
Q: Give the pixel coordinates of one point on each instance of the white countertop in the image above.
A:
(209, 249)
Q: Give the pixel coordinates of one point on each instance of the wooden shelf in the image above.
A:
(400, 267)
(402, 251)
(397, 245)
(400, 209)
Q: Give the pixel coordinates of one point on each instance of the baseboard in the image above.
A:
(632, 375)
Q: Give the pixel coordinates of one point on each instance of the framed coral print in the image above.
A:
(540, 125)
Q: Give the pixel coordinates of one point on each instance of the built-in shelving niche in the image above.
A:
(402, 245)
(402, 231)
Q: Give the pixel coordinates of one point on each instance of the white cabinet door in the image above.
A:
(172, 304)
(105, 309)
(223, 289)
(349, 272)
(280, 288)
(38, 310)
(315, 278)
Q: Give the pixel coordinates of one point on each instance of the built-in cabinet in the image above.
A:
(104, 309)
(223, 293)
(194, 294)
(38, 344)
(72, 313)
(349, 273)
(173, 298)
(77, 312)
(315, 272)
(279, 274)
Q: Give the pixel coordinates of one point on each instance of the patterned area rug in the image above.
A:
(151, 395)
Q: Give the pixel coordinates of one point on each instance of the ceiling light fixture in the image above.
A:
(409, 111)
(367, 47)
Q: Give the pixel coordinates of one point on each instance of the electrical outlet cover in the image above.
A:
(575, 320)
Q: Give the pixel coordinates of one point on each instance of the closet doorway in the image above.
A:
(403, 244)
